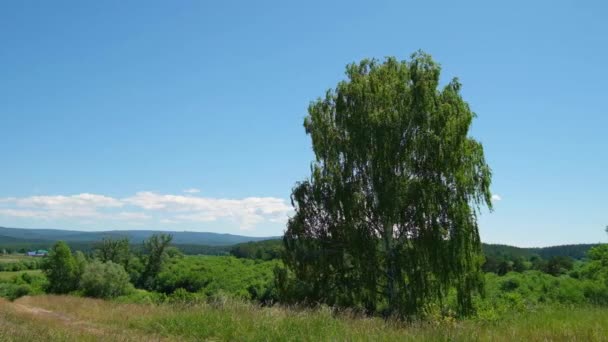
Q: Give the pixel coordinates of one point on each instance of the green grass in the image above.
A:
(11, 275)
(64, 318)
(14, 258)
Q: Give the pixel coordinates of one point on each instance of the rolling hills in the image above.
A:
(216, 243)
(136, 236)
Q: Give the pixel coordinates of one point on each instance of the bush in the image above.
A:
(181, 296)
(238, 278)
(139, 296)
(13, 291)
(509, 284)
(105, 280)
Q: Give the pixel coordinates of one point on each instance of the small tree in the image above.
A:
(80, 260)
(60, 269)
(114, 250)
(519, 265)
(558, 265)
(105, 280)
(155, 249)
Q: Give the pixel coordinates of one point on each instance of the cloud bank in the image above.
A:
(149, 207)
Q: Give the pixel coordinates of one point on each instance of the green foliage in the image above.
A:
(155, 253)
(526, 290)
(81, 262)
(105, 280)
(211, 276)
(388, 216)
(135, 268)
(578, 251)
(22, 284)
(263, 250)
(21, 265)
(114, 250)
(597, 267)
(195, 280)
(60, 269)
(13, 291)
(558, 265)
(139, 296)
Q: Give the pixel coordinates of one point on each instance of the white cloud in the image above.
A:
(192, 191)
(167, 209)
(496, 198)
(133, 216)
(21, 213)
(247, 211)
(56, 207)
(84, 200)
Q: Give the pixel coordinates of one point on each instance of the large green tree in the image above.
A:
(388, 218)
(61, 269)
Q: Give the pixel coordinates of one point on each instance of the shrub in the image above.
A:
(105, 280)
(181, 296)
(509, 284)
(242, 278)
(13, 291)
(139, 296)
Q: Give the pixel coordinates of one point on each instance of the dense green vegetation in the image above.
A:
(211, 276)
(573, 251)
(219, 297)
(89, 246)
(113, 269)
(263, 250)
(17, 284)
(20, 264)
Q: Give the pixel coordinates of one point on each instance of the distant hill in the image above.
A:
(22, 235)
(270, 249)
(574, 251)
(217, 244)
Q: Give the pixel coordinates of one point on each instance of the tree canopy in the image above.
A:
(114, 250)
(61, 269)
(156, 249)
(388, 218)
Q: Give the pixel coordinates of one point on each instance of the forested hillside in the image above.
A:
(135, 236)
(21, 239)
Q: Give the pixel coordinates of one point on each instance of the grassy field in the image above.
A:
(14, 258)
(64, 318)
(11, 275)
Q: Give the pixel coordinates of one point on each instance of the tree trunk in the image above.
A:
(391, 291)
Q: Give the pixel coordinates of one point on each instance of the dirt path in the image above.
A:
(23, 307)
(59, 317)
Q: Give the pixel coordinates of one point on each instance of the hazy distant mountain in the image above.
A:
(215, 243)
(136, 236)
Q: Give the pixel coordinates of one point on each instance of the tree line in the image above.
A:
(112, 269)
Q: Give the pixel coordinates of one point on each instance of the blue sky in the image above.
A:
(111, 110)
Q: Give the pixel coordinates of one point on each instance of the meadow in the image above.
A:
(10, 258)
(61, 318)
